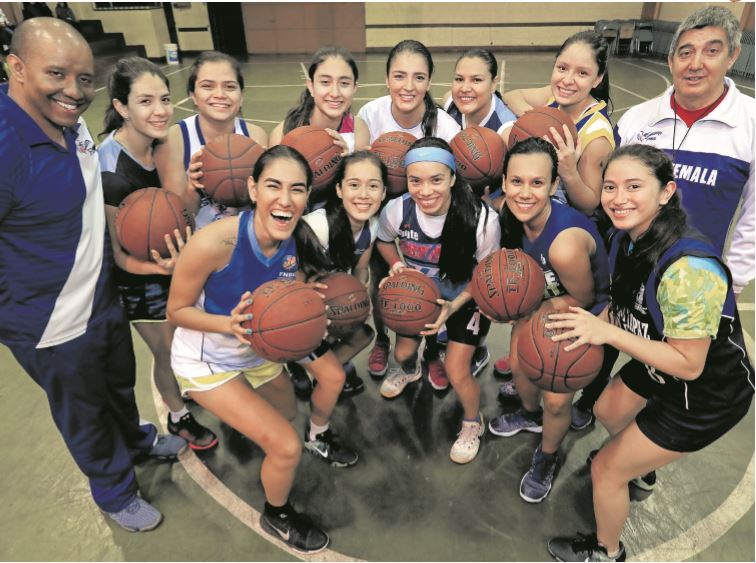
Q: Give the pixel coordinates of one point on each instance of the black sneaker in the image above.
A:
(353, 384)
(581, 418)
(591, 455)
(295, 530)
(480, 360)
(582, 548)
(646, 482)
(301, 381)
(326, 447)
(197, 436)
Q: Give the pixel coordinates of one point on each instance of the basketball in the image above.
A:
(546, 363)
(479, 153)
(288, 321)
(536, 123)
(227, 162)
(391, 148)
(316, 145)
(507, 285)
(348, 303)
(408, 302)
(145, 217)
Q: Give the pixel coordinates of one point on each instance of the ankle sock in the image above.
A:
(315, 430)
(278, 511)
(176, 416)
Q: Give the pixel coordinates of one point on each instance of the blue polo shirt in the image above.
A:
(55, 265)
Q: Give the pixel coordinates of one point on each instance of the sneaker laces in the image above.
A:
(469, 432)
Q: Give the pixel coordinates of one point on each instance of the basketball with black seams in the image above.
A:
(547, 364)
(507, 285)
(407, 302)
(319, 150)
(227, 163)
(536, 123)
(479, 154)
(288, 321)
(348, 303)
(391, 148)
(145, 216)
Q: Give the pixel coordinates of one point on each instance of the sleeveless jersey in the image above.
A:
(377, 116)
(121, 176)
(727, 378)
(563, 217)
(318, 222)
(247, 269)
(194, 140)
(498, 115)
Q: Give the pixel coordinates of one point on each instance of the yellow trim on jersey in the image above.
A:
(596, 126)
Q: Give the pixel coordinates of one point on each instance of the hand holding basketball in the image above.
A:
(237, 317)
(447, 310)
(194, 173)
(339, 141)
(581, 325)
(166, 265)
(568, 151)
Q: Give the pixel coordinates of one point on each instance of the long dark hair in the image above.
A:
(340, 238)
(300, 114)
(600, 49)
(512, 230)
(459, 235)
(124, 74)
(633, 268)
(431, 111)
(487, 57)
(212, 57)
(312, 258)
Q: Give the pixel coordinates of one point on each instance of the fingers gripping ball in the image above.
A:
(316, 145)
(145, 217)
(546, 363)
(479, 153)
(408, 301)
(227, 162)
(288, 321)
(348, 303)
(391, 148)
(507, 285)
(536, 123)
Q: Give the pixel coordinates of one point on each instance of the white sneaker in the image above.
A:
(467, 445)
(396, 380)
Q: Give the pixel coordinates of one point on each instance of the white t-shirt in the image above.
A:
(377, 116)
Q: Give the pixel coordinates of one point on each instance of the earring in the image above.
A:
(125, 117)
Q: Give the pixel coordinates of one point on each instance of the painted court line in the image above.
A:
(666, 80)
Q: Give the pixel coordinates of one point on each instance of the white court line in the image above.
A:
(305, 76)
(666, 80)
(628, 91)
(746, 307)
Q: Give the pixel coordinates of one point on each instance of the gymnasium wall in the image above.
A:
(193, 27)
(678, 11)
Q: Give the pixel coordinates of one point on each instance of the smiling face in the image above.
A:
(54, 82)
(217, 93)
(280, 195)
(361, 190)
(408, 80)
(699, 65)
(149, 109)
(574, 75)
(528, 188)
(632, 195)
(429, 185)
(472, 86)
(332, 88)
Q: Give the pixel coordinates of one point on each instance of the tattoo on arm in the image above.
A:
(231, 241)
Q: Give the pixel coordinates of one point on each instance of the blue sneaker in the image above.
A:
(138, 516)
(536, 483)
(167, 447)
(480, 360)
(510, 424)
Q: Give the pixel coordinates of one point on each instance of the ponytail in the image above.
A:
(300, 114)
(313, 260)
(430, 117)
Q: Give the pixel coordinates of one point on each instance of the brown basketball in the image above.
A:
(288, 320)
(536, 123)
(507, 285)
(316, 145)
(391, 148)
(546, 363)
(227, 162)
(408, 301)
(479, 153)
(348, 303)
(145, 217)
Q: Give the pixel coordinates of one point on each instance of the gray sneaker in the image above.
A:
(508, 390)
(397, 380)
(582, 548)
(536, 483)
(138, 516)
(167, 447)
(514, 422)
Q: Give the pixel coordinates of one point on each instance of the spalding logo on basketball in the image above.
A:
(408, 302)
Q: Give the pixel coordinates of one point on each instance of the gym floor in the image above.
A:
(404, 500)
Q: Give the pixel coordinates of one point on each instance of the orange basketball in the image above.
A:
(408, 301)
(145, 217)
(348, 303)
(391, 148)
(227, 162)
(536, 123)
(479, 153)
(316, 145)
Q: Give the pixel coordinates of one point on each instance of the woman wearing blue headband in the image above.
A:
(443, 230)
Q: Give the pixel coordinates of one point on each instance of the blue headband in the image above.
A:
(430, 154)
